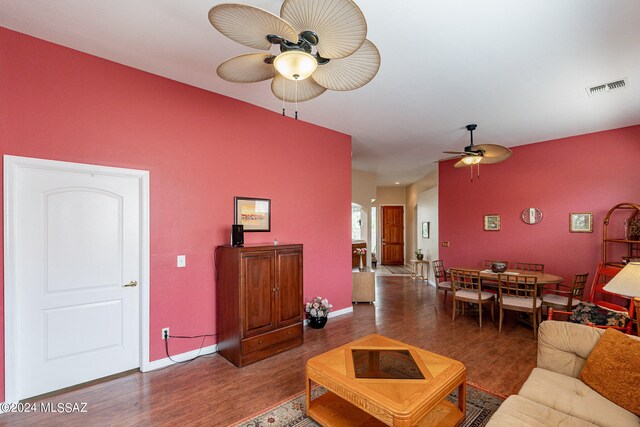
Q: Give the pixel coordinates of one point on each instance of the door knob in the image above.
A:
(131, 284)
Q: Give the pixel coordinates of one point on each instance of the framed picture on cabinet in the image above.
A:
(492, 222)
(254, 214)
(581, 222)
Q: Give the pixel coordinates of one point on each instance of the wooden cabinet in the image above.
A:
(259, 308)
(363, 285)
(617, 245)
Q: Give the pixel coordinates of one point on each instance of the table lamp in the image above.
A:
(627, 283)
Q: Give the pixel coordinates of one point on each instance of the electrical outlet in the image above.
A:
(165, 333)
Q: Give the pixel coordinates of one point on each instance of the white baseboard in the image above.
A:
(346, 310)
(334, 314)
(162, 363)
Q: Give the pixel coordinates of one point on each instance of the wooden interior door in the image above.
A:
(393, 235)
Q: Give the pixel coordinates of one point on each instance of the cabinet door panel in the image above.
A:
(259, 309)
(289, 281)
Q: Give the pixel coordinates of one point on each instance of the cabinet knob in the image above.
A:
(259, 341)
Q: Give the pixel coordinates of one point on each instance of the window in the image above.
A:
(356, 222)
(373, 229)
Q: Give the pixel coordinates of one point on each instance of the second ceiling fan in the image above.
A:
(482, 153)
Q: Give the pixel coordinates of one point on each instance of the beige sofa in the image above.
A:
(553, 395)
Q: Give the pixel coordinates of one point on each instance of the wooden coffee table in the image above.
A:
(379, 381)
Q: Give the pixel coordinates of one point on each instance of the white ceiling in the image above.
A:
(517, 68)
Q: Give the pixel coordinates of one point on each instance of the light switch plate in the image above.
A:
(182, 260)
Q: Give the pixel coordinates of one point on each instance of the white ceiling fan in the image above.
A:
(322, 46)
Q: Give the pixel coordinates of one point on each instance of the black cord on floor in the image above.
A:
(166, 346)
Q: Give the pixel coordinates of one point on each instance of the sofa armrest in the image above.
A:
(563, 347)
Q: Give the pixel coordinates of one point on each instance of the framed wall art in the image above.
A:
(581, 222)
(426, 230)
(492, 222)
(254, 214)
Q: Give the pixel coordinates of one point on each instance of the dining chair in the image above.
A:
(527, 266)
(466, 286)
(519, 293)
(486, 263)
(441, 276)
(569, 297)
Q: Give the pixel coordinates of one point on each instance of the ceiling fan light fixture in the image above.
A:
(295, 64)
(471, 160)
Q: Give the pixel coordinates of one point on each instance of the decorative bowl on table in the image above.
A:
(499, 267)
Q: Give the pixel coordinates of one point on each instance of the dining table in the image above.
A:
(489, 279)
(487, 275)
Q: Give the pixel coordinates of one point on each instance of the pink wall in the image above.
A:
(586, 173)
(201, 149)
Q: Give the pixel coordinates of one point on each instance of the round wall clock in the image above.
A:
(532, 215)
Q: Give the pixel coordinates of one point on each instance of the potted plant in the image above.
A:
(317, 312)
(419, 254)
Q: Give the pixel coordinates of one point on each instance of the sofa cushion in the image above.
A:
(563, 347)
(613, 370)
(573, 397)
(518, 411)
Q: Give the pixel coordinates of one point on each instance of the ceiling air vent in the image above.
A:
(606, 87)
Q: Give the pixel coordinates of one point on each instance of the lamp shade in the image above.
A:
(295, 64)
(626, 282)
(471, 160)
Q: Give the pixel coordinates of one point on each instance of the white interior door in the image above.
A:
(76, 242)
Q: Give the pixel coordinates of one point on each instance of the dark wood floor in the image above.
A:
(211, 391)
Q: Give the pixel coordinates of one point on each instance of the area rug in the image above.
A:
(291, 413)
(397, 269)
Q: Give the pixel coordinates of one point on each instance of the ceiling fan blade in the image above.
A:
(250, 25)
(352, 72)
(455, 152)
(248, 68)
(493, 150)
(446, 159)
(339, 24)
(285, 89)
(494, 153)
(494, 160)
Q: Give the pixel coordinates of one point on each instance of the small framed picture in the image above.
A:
(492, 222)
(254, 214)
(426, 230)
(581, 222)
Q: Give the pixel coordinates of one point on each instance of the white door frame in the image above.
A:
(11, 166)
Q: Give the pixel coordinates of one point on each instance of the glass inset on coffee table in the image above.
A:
(390, 364)
(376, 381)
